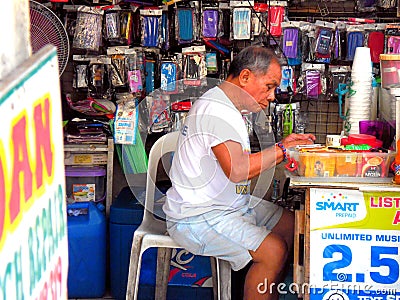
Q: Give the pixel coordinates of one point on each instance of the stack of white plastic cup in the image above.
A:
(361, 76)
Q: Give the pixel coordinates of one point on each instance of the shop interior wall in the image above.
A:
(323, 113)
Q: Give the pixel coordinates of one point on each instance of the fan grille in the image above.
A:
(46, 28)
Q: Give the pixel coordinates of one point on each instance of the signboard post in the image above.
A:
(33, 230)
(354, 245)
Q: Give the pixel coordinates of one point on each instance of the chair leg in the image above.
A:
(224, 278)
(215, 277)
(162, 275)
(135, 263)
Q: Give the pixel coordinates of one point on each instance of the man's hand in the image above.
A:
(295, 139)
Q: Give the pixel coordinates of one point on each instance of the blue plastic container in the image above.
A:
(87, 250)
(126, 214)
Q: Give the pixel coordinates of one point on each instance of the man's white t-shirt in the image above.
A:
(199, 184)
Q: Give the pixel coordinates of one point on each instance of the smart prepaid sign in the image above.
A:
(33, 231)
(354, 245)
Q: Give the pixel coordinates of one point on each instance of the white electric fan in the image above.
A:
(46, 28)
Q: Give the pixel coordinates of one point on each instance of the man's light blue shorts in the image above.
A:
(227, 235)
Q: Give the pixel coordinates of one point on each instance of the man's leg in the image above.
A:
(269, 260)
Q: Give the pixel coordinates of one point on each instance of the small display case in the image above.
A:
(325, 165)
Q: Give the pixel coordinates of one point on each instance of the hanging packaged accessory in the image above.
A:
(224, 26)
(184, 25)
(287, 79)
(290, 39)
(151, 63)
(259, 18)
(169, 76)
(88, 30)
(355, 38)
(151, 27)
(211, 62)
(126, 119)
(81, 65)
(275, 19)
(159, 114)
(210, 19)
(194, 65)
(324, 39)
(99, 78)
(287, 120)
(241, 23)
(117, 67)
(376, 41)
(314, 83)
(112, 25)
(134, 75)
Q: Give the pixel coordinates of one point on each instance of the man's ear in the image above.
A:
(244, 77)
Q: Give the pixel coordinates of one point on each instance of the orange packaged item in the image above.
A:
(317, 163)
(373, 165)
(346, 164)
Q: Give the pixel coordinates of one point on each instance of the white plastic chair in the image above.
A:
(152, 232)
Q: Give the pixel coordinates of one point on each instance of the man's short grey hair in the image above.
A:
(254, 58)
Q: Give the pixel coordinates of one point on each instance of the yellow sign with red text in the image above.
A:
(33, 231)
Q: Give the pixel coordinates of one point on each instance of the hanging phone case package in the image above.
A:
(290, 39)
(277, 14)
(376, 40)
(210, 19)
(287, 79)
(151, 27)
(324, 39)
(211, 62)
(194, 65)
(355, 38)
(313, 83)
(241, 23)
(184, 24)
(259, 18)
(170, 71)
(125, 120)
(88, 31)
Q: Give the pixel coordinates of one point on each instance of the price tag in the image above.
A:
(83, 159)
(354, 247)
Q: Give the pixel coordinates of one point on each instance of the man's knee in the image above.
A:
(273, 248)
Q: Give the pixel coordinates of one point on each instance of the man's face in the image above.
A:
(262, 87)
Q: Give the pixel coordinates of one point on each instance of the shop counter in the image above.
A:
(347, 241)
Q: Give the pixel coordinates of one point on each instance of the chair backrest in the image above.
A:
(165, 144)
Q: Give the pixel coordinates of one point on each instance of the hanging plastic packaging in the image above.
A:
(194, 65)
(117, 68)
(241, 19)
(276, 17)
(210, 23)
(151, 27)
(126, 119)
(324, 42)
(290, 42)
(313, 83)
(354, 39)
(88, 31)
(376, 43)
(184, 25)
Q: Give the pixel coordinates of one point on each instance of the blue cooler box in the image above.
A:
(86, 250)
(187, 270)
